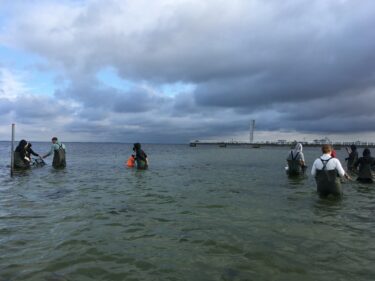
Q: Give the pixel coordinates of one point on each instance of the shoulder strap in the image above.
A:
(295, 156)
(60, 147)
(325, 162)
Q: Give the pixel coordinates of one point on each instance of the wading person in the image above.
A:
(296, 161)
(327, 171)
(21, 159)
(353, 157)
(365, 167)
(140, 157)
(58, 150)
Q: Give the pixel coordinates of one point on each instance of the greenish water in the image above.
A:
(203, 213)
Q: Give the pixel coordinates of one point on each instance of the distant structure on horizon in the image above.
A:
(252, 129)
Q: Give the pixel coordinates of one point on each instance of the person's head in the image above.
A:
(326, 149)
(29, 145)
(333, 153)
(298, 147)
(366, 152)
(353, 147)
(22, 143)
(54, 140)
(137, 146)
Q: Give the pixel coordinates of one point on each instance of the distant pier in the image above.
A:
(223, 144)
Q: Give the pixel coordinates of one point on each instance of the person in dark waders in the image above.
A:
(327, 172)
(352, 158)
(140, 157)
(59, 151)
(365, 165)
(21, 159)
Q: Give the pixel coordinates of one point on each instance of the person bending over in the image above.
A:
(21, 159)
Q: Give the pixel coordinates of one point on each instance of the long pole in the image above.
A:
(12, 152)
(252, 128)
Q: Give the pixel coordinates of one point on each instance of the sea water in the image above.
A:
(198, 213)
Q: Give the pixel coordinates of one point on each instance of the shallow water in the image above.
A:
(203, 213)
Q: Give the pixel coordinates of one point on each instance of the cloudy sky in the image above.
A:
(176, 70)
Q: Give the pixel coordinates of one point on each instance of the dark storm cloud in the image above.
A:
(93, 94)
(292, 65)
(31, 109)
(153, 129)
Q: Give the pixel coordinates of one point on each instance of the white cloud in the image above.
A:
(11, 85)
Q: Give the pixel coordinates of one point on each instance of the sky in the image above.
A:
(171, 71)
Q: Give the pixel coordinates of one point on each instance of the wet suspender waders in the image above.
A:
(59, 157)
(294, 165)
(327, 180)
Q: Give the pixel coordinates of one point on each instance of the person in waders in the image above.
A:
(140, 157)
(296, 161)
(353, 157)
(58, 150)
(21, 159)
(365, 167)
(327, 171)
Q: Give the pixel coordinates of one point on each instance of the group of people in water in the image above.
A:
(23, 152)
(138, 159)
(328, 170)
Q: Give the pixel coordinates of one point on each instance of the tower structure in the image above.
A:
(252, 128)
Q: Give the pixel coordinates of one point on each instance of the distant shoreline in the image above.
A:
(336, 145)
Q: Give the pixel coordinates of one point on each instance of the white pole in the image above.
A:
(12, 152)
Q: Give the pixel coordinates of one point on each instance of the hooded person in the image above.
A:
(296, 161)
(21, 159)
(140, 157)
(365, 167)
(58, 150)
(353, 157)
(327, 171)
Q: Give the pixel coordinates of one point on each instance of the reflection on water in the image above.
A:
(197, 214)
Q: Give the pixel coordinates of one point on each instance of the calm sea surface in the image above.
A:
(203, 213)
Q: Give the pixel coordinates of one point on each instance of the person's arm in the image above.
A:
(302, 159)
(373, 164)
(33, 153)
(313, 169)
(340, 169)
(356, 163)
(24, 156)
(50, 152)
